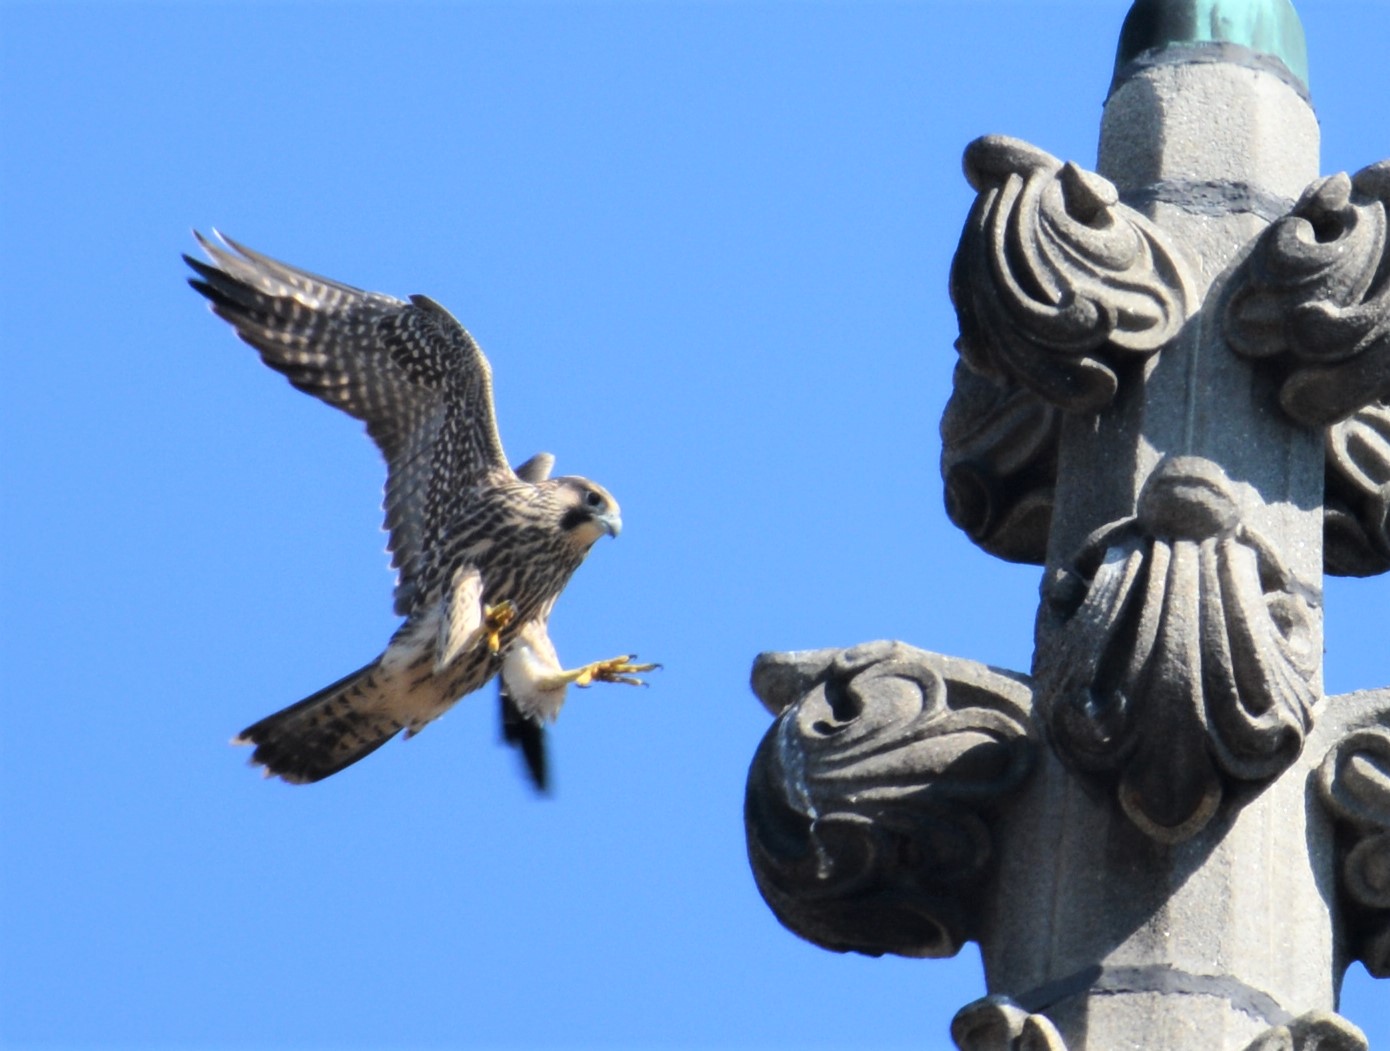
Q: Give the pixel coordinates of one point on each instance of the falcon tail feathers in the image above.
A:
(527, 736)
(323, 733)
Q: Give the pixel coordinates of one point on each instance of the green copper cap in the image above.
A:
(1267, 27)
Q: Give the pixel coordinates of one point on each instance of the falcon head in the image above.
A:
(588, 511)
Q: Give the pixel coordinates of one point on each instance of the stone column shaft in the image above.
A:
(1227, 933)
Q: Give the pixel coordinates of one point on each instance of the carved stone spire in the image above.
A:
(1172, 389)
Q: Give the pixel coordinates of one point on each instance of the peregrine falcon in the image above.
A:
(482, 550)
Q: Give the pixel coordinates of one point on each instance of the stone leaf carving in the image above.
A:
(999, 465)
(1314, 298)
(996, 1023)
(1176, 648)
(1055, 283)
(1315, 1031)
(867, 800)
(1354, 782)
(1356, 531)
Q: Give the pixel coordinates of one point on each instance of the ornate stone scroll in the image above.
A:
(1175, 649)
(1356, 515)
(866, 800)
(1314, 298)
(1315, 1031)
(1057, 285)
(1354, 783)
(999, 464)
(999, 468)
(996, 1023)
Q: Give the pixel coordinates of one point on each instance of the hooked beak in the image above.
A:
(611, 521)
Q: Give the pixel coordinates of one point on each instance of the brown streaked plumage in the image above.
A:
(482, 550)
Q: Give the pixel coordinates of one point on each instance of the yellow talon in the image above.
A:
(495, 619)
(615, 669)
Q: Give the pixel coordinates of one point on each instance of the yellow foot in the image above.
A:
(495, 621)
(615, 669)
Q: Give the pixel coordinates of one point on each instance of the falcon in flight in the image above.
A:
(483, 551)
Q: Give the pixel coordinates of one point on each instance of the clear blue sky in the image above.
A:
(705, 246)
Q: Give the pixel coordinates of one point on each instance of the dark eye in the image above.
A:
(593, 499)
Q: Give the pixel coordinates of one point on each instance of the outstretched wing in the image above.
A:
(410, 371)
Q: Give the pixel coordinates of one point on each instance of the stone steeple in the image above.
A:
(1173, 394)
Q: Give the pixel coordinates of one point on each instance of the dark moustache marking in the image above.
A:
(574, 518)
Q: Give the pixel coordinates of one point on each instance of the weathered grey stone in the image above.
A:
(1180, 121)
(1356, 516)
(999, 463)
(996, 1023)
(867, 801)
(1314, 298)
(1127, 941)
(1174, 381)
(1180, 650)
(1354, 784)
(1057, 285)
(1315, 1031)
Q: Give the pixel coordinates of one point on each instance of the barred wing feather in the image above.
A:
(409, 370)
